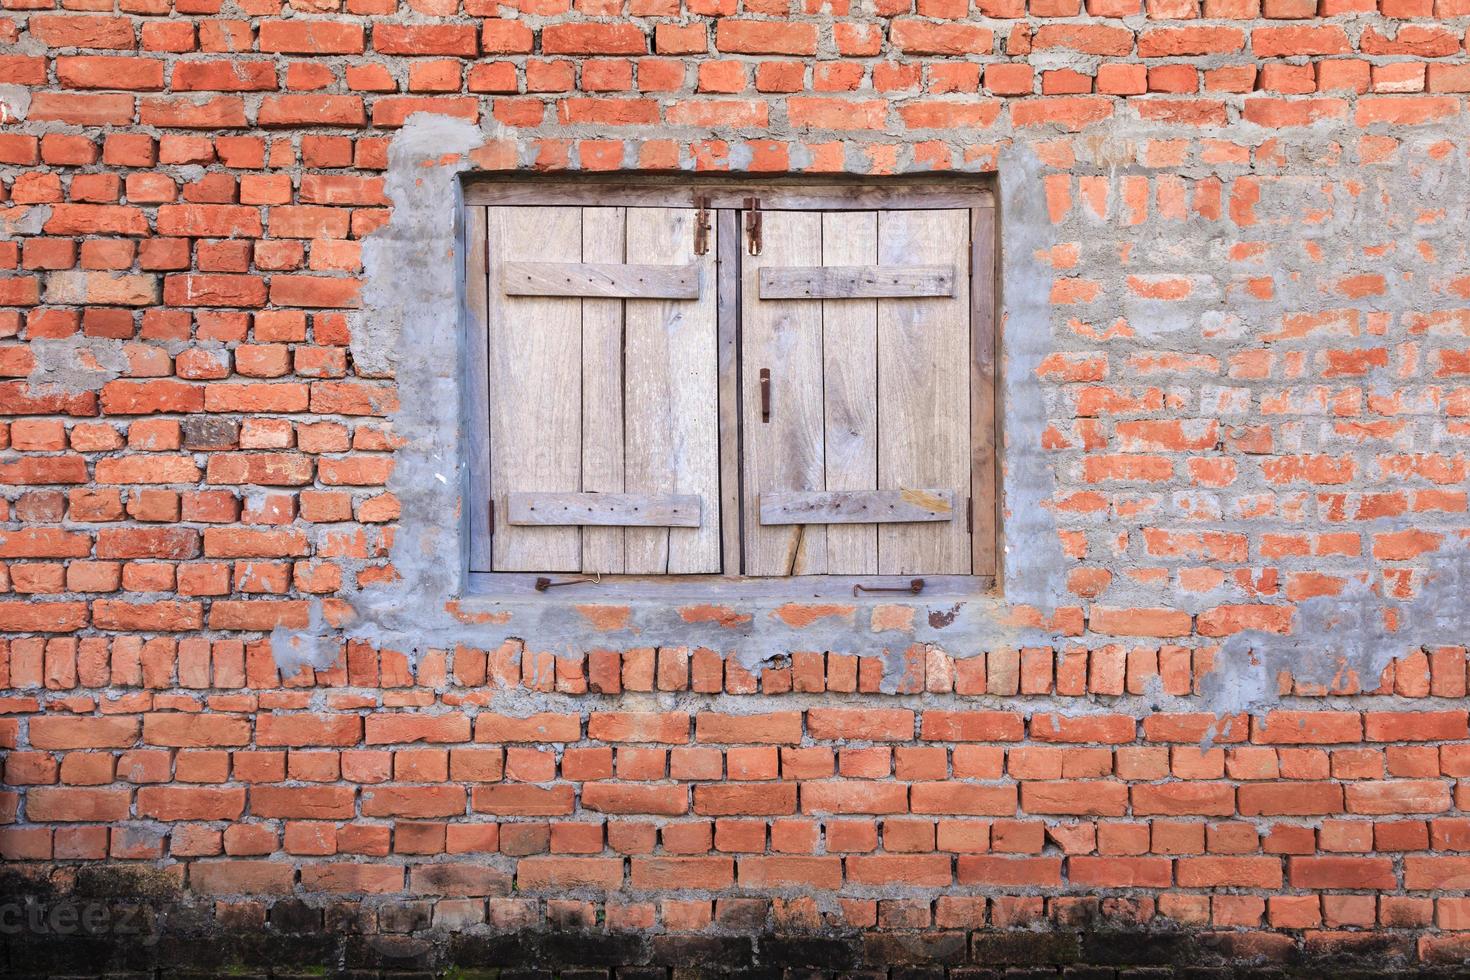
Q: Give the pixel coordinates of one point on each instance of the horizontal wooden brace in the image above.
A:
(856, 506)
(856, 281)
(603, 509)
(602, 280)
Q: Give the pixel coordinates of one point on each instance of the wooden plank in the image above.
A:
(785, 452)
(603, 279)
(850, 390)
(856, 507)
(535, 386)
(603, 510)
(984, 545)
(915, 191)
(672, 398)
(727, 262)
(856, 281)
(602, 391)
(477, 393)
(487, 588)
(924, 355)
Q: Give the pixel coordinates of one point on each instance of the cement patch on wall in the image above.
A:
(411, 327)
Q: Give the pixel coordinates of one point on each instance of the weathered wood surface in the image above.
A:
(857, 506)
(477, 391)
(917, 191)
(671, 390)
(535, 381)
(603, 231)
(924, 356)
(609, 280)
(785, 453)
(850, 390)
(985, 544)
(603, 510)
(855, 281)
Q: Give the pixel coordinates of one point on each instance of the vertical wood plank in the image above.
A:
(477, 392)
(672, 398)
(850, 389)
(983, 428)
(727, 259)
(535, 385)
(602, 389)
(924, 354)
(784, 453)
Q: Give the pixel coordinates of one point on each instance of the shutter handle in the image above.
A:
(765, 394)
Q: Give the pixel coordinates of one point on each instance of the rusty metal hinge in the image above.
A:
(491, 509)
(753, 224)
(970, 513)
(701, 224)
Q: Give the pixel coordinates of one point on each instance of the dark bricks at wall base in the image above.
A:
(1253, 399)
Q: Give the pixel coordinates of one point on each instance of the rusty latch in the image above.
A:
(701, 224)
(753, 224)
(543, 583)
(915, 586)
(765, 394)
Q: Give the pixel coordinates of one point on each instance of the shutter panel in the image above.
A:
(535, 386)
(784, 450)
(603, 240)
(869, 398)
(595, 389)
(924, 391)
(850, 389)
(672, 397)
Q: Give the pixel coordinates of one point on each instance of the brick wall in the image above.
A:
(1243, 225)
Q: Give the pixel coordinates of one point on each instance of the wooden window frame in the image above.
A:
(726, 200)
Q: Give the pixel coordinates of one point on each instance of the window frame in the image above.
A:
(726, 198)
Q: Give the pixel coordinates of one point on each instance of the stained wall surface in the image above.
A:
(1214, 711)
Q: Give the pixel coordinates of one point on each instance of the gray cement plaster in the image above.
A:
(411, 326)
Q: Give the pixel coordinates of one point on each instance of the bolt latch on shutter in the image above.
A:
(753, 224)
(701, 224)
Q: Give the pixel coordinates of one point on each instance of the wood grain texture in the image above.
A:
(985, 544)
(856, 507)
(534, 368)
(622, 190)
(850, 390)
(855, 281)
(602, 390)
(785, 453)
(609, 280)
(671, 389)
(488, 587)
(477, 392)
(603, 510)
(924, 355)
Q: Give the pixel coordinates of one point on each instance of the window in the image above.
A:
(751, 383)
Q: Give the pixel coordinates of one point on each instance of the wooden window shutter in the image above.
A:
(856, 393)
(603, 397)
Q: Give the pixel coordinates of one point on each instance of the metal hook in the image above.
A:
(543, 583)
(914, 587)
